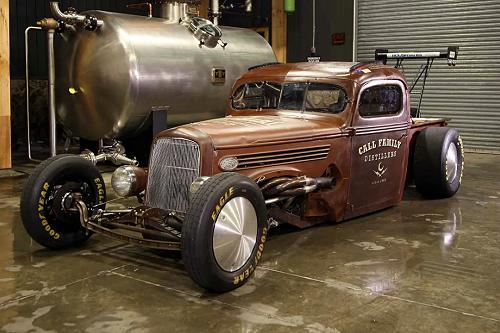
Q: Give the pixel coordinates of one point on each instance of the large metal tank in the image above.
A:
(108, 80)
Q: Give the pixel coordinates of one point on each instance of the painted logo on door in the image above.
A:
(369, 152)
(374, 144)
(381, 169)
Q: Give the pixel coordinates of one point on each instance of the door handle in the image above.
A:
(351, 131)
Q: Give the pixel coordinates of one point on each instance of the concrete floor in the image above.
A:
(423, 266)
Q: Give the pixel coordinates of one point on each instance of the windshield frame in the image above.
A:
(282, 84)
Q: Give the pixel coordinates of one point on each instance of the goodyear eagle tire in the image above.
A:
(224, 232)
(46, 200)
(438, 162)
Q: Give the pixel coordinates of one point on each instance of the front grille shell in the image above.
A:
(174, 164)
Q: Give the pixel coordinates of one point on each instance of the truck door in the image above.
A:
(380, 126)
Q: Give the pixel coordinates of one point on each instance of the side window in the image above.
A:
(380, 100)
(322, 97)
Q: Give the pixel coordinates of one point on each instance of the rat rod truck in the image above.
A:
(301, 144)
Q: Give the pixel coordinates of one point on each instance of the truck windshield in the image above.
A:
(300, 96)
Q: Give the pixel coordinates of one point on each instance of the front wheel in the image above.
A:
(224, 232)
(47, 210)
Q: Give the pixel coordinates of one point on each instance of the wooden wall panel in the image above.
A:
(203, 8)
(279, 30)
(5, 153)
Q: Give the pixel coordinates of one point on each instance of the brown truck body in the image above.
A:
(301, 144)
(368, 156)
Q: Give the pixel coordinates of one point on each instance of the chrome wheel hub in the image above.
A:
(451, 163)
(235, 234)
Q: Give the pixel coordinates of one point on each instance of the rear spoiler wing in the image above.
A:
(451, 55)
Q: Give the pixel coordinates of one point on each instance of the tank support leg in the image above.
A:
(52, 94)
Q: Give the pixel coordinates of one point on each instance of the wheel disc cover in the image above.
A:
(451, 163)
(235, 234)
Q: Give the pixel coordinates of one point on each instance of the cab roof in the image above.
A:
(355, 71)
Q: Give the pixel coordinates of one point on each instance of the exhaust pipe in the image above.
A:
(283, 188)
(274, 182)
(296, 186)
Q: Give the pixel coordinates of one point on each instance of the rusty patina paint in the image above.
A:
(368, 156)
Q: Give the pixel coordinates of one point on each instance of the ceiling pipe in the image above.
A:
(313, 48)
(248, 6)
(215, 11)
(355, 30)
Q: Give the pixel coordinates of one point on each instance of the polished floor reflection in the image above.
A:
(423, 266)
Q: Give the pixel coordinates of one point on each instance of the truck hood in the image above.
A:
(239, 131)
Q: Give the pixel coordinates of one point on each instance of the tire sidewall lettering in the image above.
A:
(42, 200)
(101, 195)
(242, 277)
(42, 220)
(224, 198)
(199, 227)
(462, 162)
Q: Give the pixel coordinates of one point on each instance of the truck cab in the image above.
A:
(362, 111)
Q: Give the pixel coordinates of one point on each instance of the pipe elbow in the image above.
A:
(57, 12)
(89, 22)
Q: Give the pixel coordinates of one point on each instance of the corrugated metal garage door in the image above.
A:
(468, 93)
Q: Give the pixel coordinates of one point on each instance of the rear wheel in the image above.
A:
(438, 162)
(46, 202)
(224, 232)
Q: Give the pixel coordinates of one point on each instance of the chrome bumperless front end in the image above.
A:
(174, 166)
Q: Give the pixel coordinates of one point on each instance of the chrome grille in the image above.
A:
(287, 156)
(173, 166)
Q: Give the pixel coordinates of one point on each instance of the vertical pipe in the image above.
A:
(52, 97)
(215, 11)
(313, 48)
(27, 76)
(183, 10)
(354, 30)
(248, 6)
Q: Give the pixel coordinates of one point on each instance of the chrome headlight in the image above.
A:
(128, 180)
